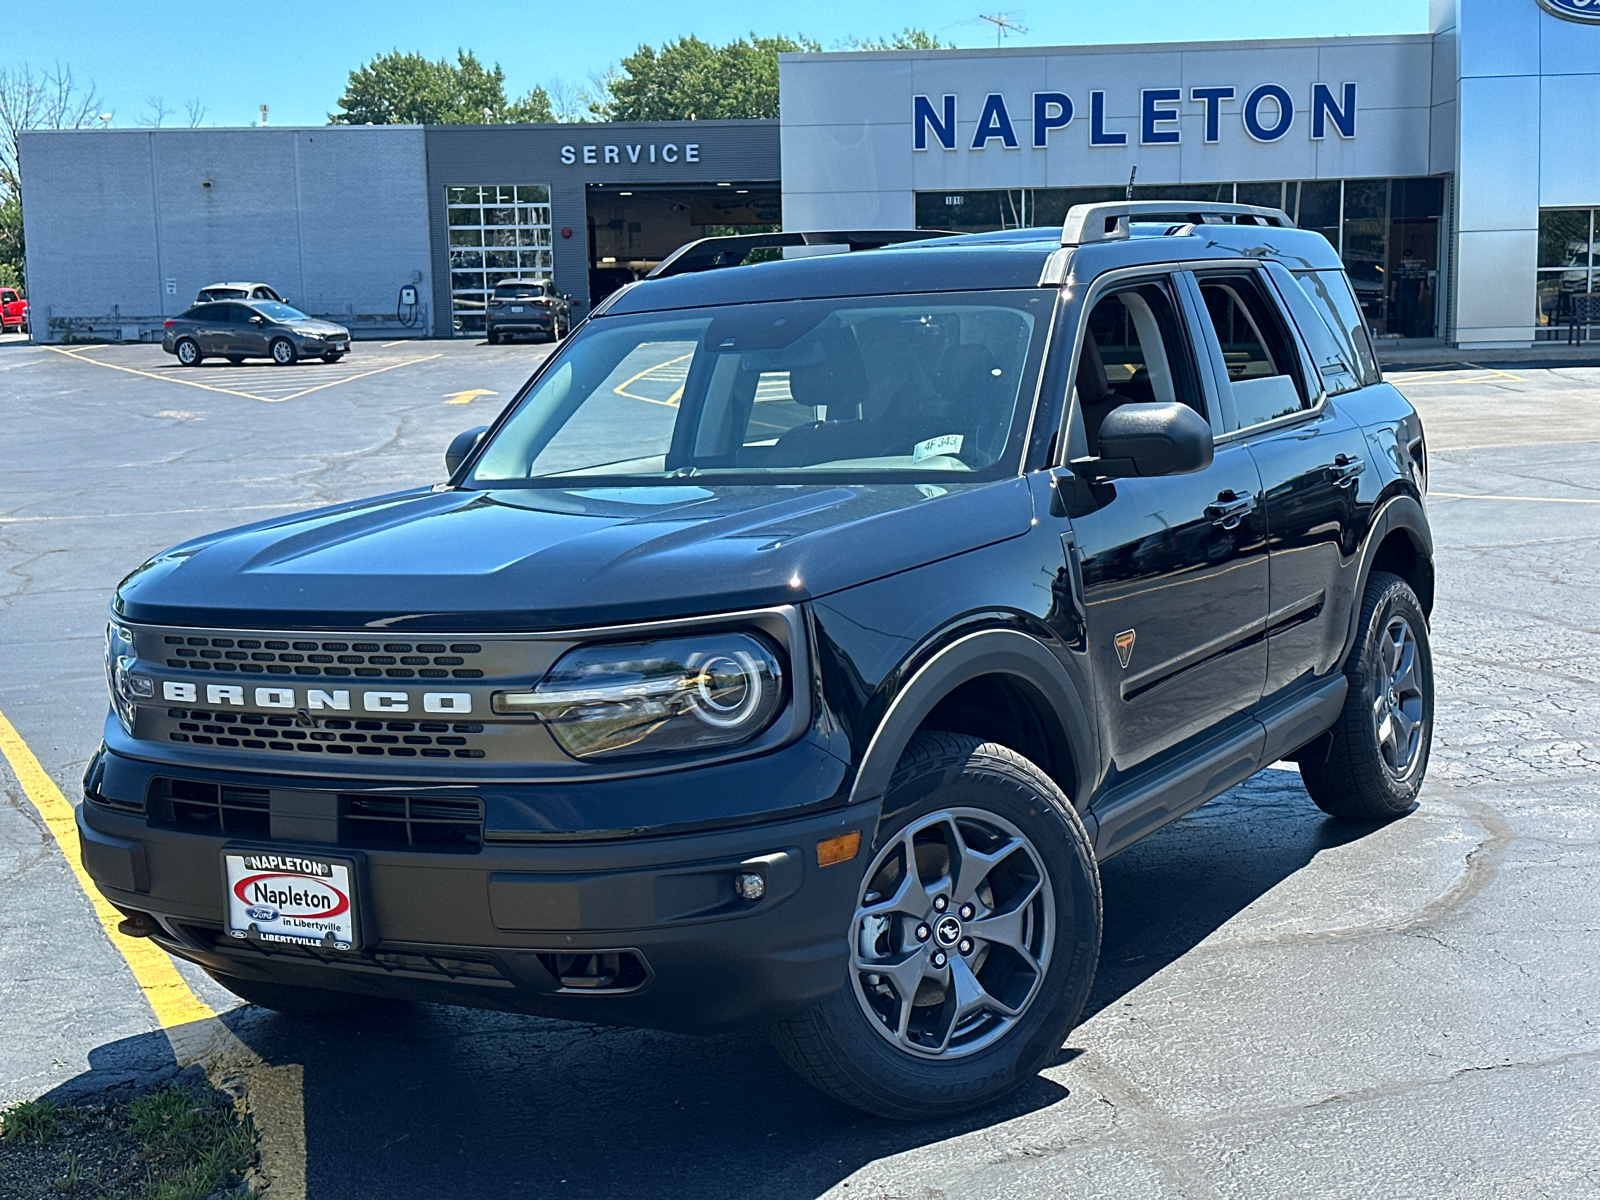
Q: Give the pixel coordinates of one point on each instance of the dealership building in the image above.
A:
(1457, 171)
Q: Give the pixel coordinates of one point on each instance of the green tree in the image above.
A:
(908, 38)
(688, 79)
(11, 247)
(408, 89)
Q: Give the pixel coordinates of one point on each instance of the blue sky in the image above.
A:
(235, 57)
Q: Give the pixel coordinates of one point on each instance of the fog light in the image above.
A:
(750, 885)
(838, 849)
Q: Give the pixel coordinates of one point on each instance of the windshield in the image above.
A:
(926, 386)
(279, 312)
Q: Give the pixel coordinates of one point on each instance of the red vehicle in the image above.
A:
(13, 311)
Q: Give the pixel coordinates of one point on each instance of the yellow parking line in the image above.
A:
(409, 362)
(275, 1096)
(80, 357)
(401, 342)
(1521, 499)
(621, 388)
(169, 996)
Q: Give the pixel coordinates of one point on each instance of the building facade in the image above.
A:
(1455, 170)
(123, 227)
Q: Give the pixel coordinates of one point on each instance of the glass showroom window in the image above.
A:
(497, 231)
(1569, 265)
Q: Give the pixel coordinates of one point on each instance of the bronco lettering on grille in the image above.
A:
(224, 695)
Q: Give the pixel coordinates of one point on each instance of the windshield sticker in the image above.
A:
(949, 443)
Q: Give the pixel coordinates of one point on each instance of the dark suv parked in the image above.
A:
(527, 306)
(792, 648)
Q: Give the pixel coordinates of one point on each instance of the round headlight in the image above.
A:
(691, 693)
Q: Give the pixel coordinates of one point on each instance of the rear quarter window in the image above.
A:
(1330, 294)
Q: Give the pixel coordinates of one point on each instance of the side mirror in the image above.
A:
(1147, 440)
(462, 445)
(258, 320)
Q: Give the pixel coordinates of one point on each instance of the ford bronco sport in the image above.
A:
(792, 647)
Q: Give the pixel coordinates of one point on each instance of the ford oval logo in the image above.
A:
(1573, 10)
(260, 912)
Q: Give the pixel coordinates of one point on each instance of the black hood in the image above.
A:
(527, 559)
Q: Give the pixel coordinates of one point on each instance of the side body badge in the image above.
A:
(1124, 642)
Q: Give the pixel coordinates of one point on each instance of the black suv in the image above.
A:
(526, 306)
(792, 648)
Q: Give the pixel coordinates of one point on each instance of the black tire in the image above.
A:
(494, 338)
(856, 1046)
(236, 359)
(296, 1001)
(188, 352)
(283, 352)
(331, 358)
(1371, 764)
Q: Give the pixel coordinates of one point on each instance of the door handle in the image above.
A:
(1345, 471)
(1229, 509)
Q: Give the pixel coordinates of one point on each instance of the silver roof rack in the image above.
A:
(1087, 223)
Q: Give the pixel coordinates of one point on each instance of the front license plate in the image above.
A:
(301, 898)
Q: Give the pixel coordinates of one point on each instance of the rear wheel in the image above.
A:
(973, 945)
(299, 1001)
(283, 352)
(494, 338)
(188, 352)
(1371, 764)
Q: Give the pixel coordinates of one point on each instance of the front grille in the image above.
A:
(213, 808)
(437, 823)
(331, 735)
(323, 659)
(417, 822)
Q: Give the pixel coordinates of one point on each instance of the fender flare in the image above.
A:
(986, 652)
(1402, 512)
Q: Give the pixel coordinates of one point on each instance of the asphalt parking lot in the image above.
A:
(1286, 1006)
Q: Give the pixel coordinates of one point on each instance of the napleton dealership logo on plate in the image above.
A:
(1573, 10)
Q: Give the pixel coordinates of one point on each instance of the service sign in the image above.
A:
(1574, 10)
(294, 898)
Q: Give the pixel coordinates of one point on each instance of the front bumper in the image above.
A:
(514, 926)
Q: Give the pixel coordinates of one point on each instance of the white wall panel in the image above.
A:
(1388, 142)
(1569, 140)
(1567, 47)
(1495, 284)
(830, 92)
(1499, 167)
(826, 158)
(1442, 138)
(849, 210)
(1499, 37)
(1397, 74)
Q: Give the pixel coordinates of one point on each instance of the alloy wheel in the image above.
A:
(953, 933)
(1397, 706)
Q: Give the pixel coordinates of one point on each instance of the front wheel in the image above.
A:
(283, 352)
(297, 1001)
(973, 945)
(188, 352)
(1370, 765)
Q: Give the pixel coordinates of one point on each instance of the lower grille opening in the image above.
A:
(421, 822)
(459, 968)
(598, 971)
(199, 807)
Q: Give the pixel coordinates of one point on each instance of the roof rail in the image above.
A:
(708, 254)
(1087, 223)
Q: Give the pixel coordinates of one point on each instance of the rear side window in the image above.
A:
(1262, 359)
(1329, 291)
(207, 312)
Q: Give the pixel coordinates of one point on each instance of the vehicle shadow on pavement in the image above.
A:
(415, 1099)
(1169, 892)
